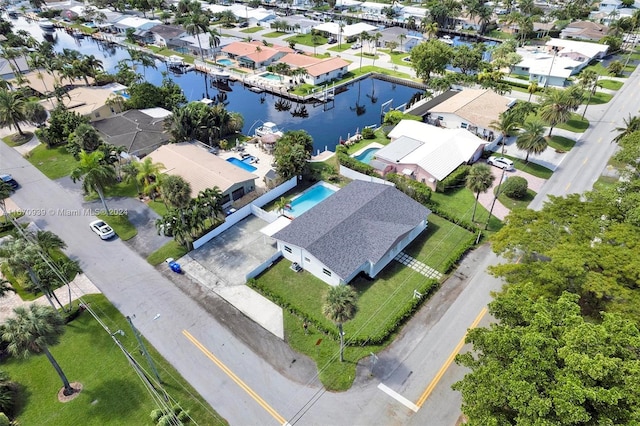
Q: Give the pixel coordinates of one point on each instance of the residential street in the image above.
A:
(253, 379)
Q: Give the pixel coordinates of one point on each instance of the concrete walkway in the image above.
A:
(416, 265)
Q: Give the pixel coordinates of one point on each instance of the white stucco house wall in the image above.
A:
(358, 229)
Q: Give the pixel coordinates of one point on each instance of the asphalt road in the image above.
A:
(240, 384)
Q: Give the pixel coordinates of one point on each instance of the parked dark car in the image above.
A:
(10, 180)
(332, 41)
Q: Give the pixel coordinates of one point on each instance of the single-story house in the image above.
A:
(141, 26)
(427, 153)
(347, 32)
(8, 67)
(163, 34)
(358, 229)
(584, 30)
(91, 101)
(44, 82)
(299, 24)
(473, 110)
(254, 54)
(191, 43)
(326, 70)
(204, 170)
(139, 131)
(410, 39)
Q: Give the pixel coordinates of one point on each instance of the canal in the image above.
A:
(357, 107)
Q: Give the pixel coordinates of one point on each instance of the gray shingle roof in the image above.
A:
(134, 130)
(358, 224)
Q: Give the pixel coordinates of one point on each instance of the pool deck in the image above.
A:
(262, 166)
(364, 148)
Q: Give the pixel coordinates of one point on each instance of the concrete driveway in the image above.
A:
(140, 215)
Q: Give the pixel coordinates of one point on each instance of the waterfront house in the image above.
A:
(347, 32)
(472, 110)
(427, 153)
(165, 35)
(254, 54)
(92, 102)
(410, 39)
(140, 26)
(204, 170)
(138, 131)
(358, 229)
(326, 70)
(193, 46)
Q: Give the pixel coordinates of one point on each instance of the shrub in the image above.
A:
(455, 180)
(368, 133)
(515, 187)
(414, 189)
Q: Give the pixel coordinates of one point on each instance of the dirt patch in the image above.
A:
(77, 387)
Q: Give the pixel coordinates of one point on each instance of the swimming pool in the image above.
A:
(309, 199)
(243, 164)
(367, 155)
(225, 62)
(270, 76)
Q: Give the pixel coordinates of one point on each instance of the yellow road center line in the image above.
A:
(448, 362)
(567, 187)
(235, 378)
(586, 160)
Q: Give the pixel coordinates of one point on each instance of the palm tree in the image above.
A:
(176, 191)
(631, 125)
(198, 23)
(340, 307)
(281, 204)
(13, 109)
(532, 138)
(148, 174)
(556, 107)
(31, 331)
(589, 81)
(214, 42)
(532, 88)
(479, 180)
(506, 124)
(375, 37)
(90, 65)
(211, 200)
(401, 39)
(94, 174)
(431, 29)
(5, 287)
(364, 36)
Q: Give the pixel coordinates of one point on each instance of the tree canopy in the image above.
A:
(430, 57)
(291, 153)
(543, 364)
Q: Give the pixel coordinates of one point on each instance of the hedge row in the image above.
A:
(455, 180)
(427, 288)
(414, 189)
(345, 160)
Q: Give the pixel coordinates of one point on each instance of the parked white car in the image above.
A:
(103, 230)
(500, 162)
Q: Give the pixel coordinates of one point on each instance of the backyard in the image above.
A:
(383, 302)
(112, 392)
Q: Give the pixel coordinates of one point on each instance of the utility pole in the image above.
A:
(136, 333)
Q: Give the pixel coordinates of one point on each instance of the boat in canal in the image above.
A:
(268, 128)
(46, 25)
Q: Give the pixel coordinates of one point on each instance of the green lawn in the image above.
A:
(459, 203)
(252, 30)
(561, 143)
(512, 203)
(598, 98)
(158, 207)
(171, 249)
(610, 84)
(274, 34)
(396, 57)
(54, 163)
(605, 183)
(599, 69)
(121, 224)
(340, 48)
(575, 124)
(306, 40)
(500, 34)
(17, 139)
(113, 394)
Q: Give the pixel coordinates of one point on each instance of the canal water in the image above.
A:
(359, 106)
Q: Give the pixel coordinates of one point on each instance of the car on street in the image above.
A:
(331, 40)
(356, 46)
(9, 180)
(500, 162)
(103, 230)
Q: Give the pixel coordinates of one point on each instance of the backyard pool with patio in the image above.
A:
(309, 198)
(270, 76)
(367, 155)
(243, 164)
(225, 62)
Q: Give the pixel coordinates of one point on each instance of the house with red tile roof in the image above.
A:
(254, 54)
(326, 70)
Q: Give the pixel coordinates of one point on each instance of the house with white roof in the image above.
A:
(427, 153)
(191, 44)
(348, 31)
(358, 229)
(473, 110)
(553, 64)
(299, 24)
(139, 25)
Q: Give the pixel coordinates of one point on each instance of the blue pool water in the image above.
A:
(225, 62)
(270, 76)
(367, 155)
(242, 164)
(308, 199)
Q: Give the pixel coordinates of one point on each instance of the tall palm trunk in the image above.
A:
(475, 205)
(68, 390)
(15, 123)
(36, 281)
(104, 202)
